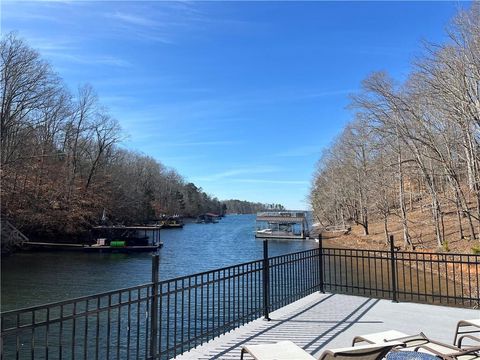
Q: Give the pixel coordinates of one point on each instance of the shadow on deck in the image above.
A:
(321, 321)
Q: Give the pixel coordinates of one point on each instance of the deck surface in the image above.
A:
(326, 321)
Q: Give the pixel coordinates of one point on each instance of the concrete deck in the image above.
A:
(327, 321)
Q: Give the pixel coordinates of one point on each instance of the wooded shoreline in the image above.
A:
(412, 145)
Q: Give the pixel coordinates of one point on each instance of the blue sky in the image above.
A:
(239, 97)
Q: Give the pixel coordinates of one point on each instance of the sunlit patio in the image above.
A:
(322, 321)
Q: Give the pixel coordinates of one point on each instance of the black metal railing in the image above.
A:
(436, 278)
(163, 319)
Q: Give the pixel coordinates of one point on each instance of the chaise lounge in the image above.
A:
(421, 343)
(287, 350)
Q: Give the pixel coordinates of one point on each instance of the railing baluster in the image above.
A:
(229, 301)
(183, 316)
(119, 325)
(445, 264)
(207, 302)
(195, 315)
(154, 307)
(224, 303)
(17, 353)
(266, 287)
(138, 325)
(439, 275)
(461, 279)
(167, 341)
(129, 323)
(85, 334)
(147, 321)
(469, 280)
(238, 297)
(97, 328)
(189, 315)
(60, 335)
(410, 281)
(393, 270)
(160, 318)
(351, 271)
(454, 281)
(175, 299)
(252, 297)
(375, 275)
(73, 330)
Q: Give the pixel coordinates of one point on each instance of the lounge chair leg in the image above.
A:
(456, 335)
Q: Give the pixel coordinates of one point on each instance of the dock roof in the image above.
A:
(139, 227)
(280, 219)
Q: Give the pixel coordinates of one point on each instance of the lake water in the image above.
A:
(30, 279)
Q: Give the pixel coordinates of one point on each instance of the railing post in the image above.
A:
(320, 263)
(266, 282)
(154, 307)
(394, 272)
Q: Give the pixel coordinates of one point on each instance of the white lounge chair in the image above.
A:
(287, 350)
(379, 337)
(421, 343)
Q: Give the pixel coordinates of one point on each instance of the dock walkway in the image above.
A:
(322, 321)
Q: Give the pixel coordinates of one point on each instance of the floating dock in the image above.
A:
(111, 239)
(45, 246)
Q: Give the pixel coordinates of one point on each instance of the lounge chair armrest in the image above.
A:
(460, 340)
(429, 349)
(470, 350)
(413, 340)
(449, 355)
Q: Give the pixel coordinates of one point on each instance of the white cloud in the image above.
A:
(108, 60)
(229, 174)
(133, 19)
(300, 151)
(199, 143)
(272, 181)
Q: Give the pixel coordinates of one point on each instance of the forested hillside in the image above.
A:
(412, 143)
(61, 160)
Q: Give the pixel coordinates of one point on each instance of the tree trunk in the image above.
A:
(401, 191)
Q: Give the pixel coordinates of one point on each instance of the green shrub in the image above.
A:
(445, 246)
(476, 249)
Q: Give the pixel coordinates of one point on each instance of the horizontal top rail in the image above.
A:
(401, 252)
(293, 253)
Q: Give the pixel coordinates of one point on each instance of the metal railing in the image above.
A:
(163, 319)
(434, 278)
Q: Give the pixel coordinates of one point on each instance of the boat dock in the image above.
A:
(118, 239)
(282, 225)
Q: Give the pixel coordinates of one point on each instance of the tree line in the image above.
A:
(411, 141)
(62, 165)
(247, 207)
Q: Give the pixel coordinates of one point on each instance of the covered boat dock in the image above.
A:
(282, 225)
